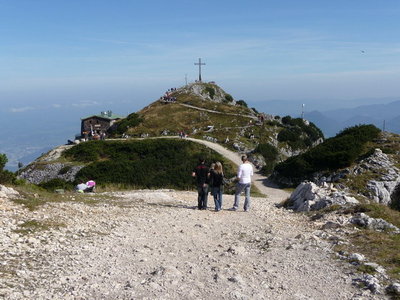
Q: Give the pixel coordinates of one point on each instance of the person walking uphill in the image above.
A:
(201, 175)
(217, 184)
(245, 171)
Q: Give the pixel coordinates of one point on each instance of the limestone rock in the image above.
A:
(7, 192)
(370, 282)
(356, 257)
(393, 289)
(308, 196)
(49, 171)
(381, 189)
(366, 221)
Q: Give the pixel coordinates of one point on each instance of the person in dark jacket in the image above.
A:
(217, 184)
(201, 174)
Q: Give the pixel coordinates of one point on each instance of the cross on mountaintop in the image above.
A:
(199, 64)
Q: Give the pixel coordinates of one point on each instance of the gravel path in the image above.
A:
(155, 244)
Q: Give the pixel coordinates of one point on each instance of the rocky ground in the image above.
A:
(156, 245)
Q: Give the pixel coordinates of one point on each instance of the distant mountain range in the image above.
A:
(383, 116)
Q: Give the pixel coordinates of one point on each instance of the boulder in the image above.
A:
(366, 221)
(309, 196)
(7, 192)
(393, 289)
(370, 282)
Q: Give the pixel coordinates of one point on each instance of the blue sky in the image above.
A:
(96, 52)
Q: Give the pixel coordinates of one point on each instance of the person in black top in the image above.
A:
(217, 184)
(201, 175)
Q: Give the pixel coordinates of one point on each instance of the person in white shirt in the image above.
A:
(245, 171)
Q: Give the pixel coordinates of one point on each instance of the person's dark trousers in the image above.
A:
(202, 196)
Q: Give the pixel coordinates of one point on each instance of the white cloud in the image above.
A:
(21, 109)
(85, 104)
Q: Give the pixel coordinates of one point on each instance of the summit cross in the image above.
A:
(199, 64)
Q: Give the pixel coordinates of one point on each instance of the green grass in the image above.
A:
(376, 210)
(33, 197)
(175, 118)
(32, 226)
(358, 183)
(366, 269)
(379, 247)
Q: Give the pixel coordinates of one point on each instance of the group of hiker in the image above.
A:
(168, 96)
(211, 179)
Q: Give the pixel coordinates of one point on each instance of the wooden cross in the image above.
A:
(199, 64)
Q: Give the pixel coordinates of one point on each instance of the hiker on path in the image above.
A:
(217, 184)
(245, 171)
(201, 174)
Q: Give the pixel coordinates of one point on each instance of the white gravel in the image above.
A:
(156, 245)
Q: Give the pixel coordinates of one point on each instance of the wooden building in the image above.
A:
(96, 125)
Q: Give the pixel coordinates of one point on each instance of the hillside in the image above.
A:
(205, 111)
(200, 110)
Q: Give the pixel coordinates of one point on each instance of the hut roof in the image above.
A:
(108, 115)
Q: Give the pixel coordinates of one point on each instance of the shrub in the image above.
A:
(286, 119)
(211, 92)
(334, 153)
(55, 184)
(270, 154)
(274, 123)
(297, 134)
(3, 161)
(293, 136)
(6, 177)
(130, 121)
(228, 98)
(241, 103)
(395, 198)
(145, 164)
(65, 170)
(255, 110)
(361, 133)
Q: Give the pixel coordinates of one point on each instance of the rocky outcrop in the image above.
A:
(48, 167)
(308, 196)
(380, 166)
(38, 173)
(381, 188)
(209, 91)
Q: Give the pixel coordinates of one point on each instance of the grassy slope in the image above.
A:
(174, 117)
